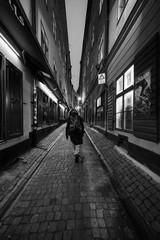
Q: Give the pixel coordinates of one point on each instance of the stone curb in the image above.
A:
(12, 195)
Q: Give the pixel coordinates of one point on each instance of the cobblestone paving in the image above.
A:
(138, 187)
(65, 200)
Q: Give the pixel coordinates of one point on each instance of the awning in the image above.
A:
(51, 84)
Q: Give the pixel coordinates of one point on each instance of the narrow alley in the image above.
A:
(67, 200)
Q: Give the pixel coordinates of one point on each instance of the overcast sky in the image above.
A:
(76, 15)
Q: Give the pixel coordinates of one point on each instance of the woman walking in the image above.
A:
(75, 129)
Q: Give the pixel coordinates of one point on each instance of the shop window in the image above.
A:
(46, 109)
(124, 100)
(44, 41)
(14, 107)
(11, 97)
(121, 6)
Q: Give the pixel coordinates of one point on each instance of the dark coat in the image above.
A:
(75, 137)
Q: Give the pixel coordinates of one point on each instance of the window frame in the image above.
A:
(44, 41)
(121, 93)
(101, 46)
(121, 6)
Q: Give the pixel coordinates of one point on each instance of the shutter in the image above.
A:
(111, 107)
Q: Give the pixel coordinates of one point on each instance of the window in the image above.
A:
(11, 97)
(54, 25)
(100, 6)
(14, 105)
(100, 110)
(44, 41)
(121, 6)
(46, 109)
(101, 48)
(124, 100)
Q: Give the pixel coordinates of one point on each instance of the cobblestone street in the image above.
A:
(67, 200)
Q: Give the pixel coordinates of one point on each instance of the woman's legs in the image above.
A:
(77, 149)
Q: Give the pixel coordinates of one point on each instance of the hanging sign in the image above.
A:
(101, 78)
(16, 11)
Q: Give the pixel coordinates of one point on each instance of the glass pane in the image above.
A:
(129, 77)
(128, 120)
(119, 120)
(128, 101)
(128, 110)
(119, 87)
(119, 104)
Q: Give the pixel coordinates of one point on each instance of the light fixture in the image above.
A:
(61, 106)
(48, 92)
(8, 44)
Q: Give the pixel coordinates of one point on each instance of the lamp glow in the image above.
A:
(48, 92)
(61, 106)
(8, 45)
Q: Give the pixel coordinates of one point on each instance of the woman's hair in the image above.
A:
(73, 111)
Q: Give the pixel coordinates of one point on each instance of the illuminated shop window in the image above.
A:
(124, 100)
(119, 87)
(121, 6)
(119, 111)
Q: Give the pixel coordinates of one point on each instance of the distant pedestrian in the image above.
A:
(75, 129)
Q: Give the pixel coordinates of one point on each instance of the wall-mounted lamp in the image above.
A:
(8, 45)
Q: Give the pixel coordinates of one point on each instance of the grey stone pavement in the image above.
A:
(56, 198)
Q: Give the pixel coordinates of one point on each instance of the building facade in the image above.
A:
(125, 106)
(35, 72)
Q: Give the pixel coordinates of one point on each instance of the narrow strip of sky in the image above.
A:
(76, 15)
